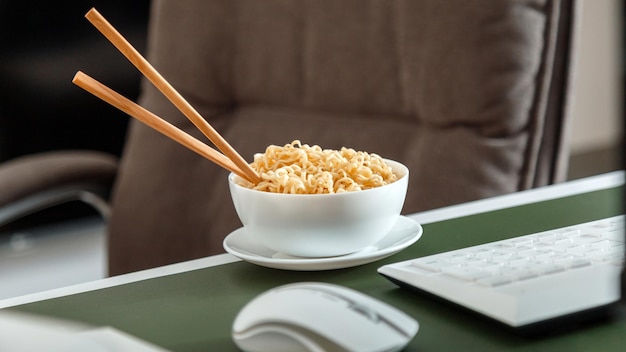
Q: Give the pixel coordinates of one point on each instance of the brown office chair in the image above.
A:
(39, 181)
(472, 96)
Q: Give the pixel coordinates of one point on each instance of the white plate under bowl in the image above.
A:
(403, 234)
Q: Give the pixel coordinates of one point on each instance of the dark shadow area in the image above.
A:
(595, 162)
(44, 43)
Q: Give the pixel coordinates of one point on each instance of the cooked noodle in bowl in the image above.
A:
(314, 202)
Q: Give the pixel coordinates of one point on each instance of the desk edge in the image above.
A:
(589, 184)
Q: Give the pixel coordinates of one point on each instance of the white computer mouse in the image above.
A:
(314, 316)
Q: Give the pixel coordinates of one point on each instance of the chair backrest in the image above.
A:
(471, 95)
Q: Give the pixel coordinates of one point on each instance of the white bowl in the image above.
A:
(321, 225)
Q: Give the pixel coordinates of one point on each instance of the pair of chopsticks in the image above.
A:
(230, 159)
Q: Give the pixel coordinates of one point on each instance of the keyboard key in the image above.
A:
(550, 268)
(519, 273)
(578, 249)
(578, 263)
(614, 235)
(495, 281)
(604, 244)
(433, 265)
(568, 232)
(482, 252)
(466, 273)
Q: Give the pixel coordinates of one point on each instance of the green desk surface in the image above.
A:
(194, 311)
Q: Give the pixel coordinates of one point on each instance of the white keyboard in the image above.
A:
(527, 279)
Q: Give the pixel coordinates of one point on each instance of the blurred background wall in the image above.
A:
(44, 43)
(599, 96)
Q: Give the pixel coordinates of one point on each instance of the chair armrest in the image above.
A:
(35, 182)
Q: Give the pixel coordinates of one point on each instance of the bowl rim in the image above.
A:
(394, 164)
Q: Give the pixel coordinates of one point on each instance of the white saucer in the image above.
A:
(403, 234)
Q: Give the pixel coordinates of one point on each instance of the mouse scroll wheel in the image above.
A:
(365, 311)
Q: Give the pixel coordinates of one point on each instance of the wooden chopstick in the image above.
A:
(110, 96)
(170, 93)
